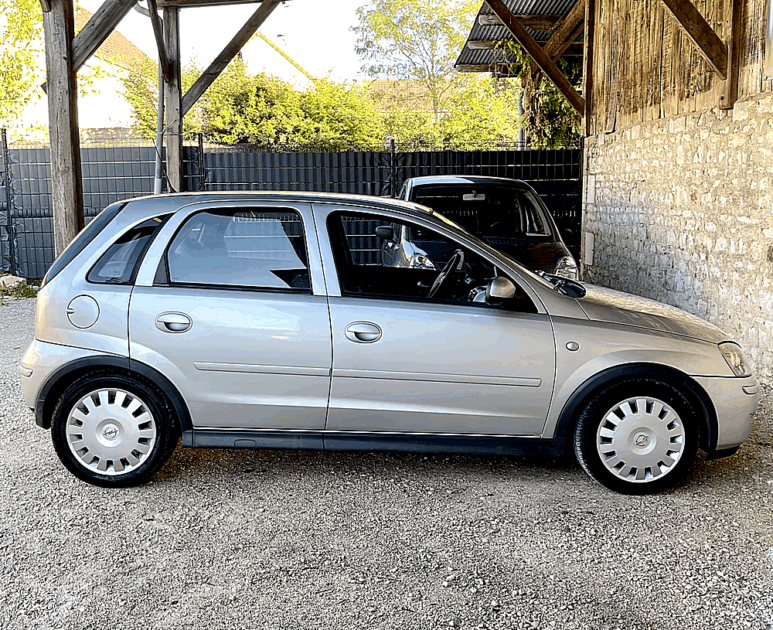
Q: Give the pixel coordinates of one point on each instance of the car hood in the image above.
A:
(606, 305)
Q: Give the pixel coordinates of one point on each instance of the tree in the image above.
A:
(415, 39)
(244, 108)
(337, 118)
(549, 120)
(21, 29)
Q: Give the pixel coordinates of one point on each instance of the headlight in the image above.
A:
(567, 268)
(735, 359)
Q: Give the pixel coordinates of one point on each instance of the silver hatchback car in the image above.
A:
(271, 320)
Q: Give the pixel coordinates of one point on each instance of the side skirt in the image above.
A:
(407, 443)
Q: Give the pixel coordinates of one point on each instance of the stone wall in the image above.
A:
(680, 210)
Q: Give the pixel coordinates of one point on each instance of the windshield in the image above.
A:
(488, 210)
(461, 231)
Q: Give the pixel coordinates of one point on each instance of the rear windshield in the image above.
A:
(488, 210)
(85, 236)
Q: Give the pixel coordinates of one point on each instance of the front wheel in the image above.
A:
(112, 429)
(639, 436)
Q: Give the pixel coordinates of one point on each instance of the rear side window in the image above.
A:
(120, 263)
(261, 249)
(79, 243)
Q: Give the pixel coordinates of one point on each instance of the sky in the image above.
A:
(315, 33)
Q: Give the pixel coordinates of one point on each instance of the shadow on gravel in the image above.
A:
(189, 463)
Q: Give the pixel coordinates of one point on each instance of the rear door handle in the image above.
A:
(363, 332)
(173, 322)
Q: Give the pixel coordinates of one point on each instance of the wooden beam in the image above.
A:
(228, 53)
(98, 29)
(480, 44)
(534, 22)
(66, 181)
(730, 94)
(500, 69)
(700, 33)
(544, 62)
(158, 32)
(566, 32)
(587, 68)
(173, 101)
(187, 4)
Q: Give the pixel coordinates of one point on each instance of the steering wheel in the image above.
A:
(456, 260)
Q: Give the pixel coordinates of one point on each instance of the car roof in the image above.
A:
(429, 180)
(153, 205)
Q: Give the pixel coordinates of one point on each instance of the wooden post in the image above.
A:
(158, 32)
(730, 93)
(534, 50)
(587, 71)
(66, 182)
(173, 98)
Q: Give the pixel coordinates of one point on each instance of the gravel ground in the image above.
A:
(296, 540)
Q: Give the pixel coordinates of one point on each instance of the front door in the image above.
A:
(406, 362)
(236, 318)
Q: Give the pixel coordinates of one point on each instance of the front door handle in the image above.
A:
(363, 332)
(173, 322)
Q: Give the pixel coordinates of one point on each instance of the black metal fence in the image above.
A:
(114, 173)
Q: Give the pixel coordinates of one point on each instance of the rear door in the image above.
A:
(230, 306)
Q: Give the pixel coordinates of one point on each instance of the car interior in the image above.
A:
(458, 276)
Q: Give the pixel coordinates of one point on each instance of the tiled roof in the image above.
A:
(117, 49)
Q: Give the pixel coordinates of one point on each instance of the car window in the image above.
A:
(241, 248)
(370, 264)
(487, 210)
(534, 221)
(119, 264)
(84, 237)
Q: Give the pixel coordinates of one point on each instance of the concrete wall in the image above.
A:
(680, 210)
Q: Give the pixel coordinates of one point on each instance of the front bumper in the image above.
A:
(735, 402)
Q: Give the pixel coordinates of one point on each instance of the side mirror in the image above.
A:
(385, 232)
(498, 289)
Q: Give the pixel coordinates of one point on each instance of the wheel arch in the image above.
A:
(59, 380)
(697, 397)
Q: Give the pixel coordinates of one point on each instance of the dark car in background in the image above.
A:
(507, 214)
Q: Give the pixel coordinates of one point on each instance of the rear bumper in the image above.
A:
(735, 402)
(38, 364)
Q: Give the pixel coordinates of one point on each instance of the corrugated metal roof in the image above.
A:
(480, 33)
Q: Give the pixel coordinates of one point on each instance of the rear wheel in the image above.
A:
(112, 429)
(639, 436)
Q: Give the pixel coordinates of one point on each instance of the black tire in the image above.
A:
(163, 420)
(587, 437)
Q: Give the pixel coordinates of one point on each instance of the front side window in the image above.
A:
(263, 249)
(382, 257)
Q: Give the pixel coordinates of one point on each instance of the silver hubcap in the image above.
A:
(640, 439)
(111, 431)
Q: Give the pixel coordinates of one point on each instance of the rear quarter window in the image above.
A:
(85, 236)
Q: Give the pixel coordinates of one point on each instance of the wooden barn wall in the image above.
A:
(645, 68)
